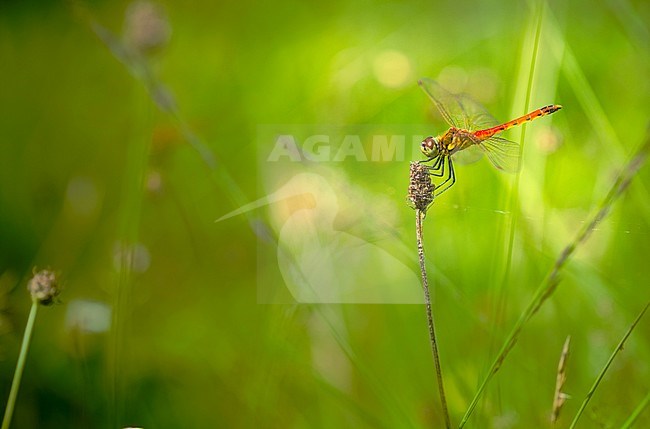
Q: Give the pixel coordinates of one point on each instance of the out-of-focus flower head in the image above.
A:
(146, 27)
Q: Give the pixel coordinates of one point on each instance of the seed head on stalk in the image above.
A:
(420, 197)
(44, 287)
(420, 193)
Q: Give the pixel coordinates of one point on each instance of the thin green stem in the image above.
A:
(20, 366)
(637, 412)
(419, 215)
(514, 210)
(618, 348)
(513, 198)
(140, 69)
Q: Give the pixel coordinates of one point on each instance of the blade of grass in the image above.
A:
(632, 23)
(136, 161)
(513, 196)
(618, 348)
(550, 282)
(637, 412)
(527, 63)
(594, 110)
(592, 106)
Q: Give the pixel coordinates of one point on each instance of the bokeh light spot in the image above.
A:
(392, 69)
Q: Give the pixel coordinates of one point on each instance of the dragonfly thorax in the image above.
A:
(446, 144)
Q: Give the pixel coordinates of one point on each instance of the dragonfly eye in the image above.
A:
(429, 147)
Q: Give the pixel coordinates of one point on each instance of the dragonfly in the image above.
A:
(470, 125)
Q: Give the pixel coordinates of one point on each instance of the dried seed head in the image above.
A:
(44, 287)
(561, 397)
(146, 28)
(420, 194)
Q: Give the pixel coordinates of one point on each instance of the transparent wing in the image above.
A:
(479, 120)
(459, 110)
(468, 156)
(502, 153)
(444, 101)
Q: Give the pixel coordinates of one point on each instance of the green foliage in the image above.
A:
(116, 160)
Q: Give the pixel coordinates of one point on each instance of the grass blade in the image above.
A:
(637, 412)
(618, 348)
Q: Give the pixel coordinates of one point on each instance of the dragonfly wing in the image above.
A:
(502, 153)
(468, 156)
(459, 110)
(476, 116)
(479, 118)
(445, 101)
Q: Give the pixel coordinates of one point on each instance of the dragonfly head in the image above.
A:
(430, 147)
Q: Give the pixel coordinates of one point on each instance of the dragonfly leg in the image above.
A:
(447, 179)
(452, 176)
(437, 169)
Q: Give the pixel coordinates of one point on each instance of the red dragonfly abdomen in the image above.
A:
(489, 132)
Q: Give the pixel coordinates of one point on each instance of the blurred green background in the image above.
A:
(165, 319)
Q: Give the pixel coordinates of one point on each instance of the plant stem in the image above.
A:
(514, 197)
(20, 366)
(637, 411)
(419, 215)
(618, 348)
